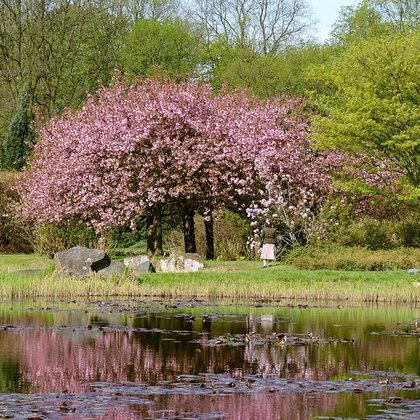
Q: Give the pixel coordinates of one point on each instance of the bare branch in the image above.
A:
(266, 26)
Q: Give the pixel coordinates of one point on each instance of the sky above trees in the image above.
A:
(326, 13)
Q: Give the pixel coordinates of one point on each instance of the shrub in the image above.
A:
(409, 230)
(379, 234)
(127, 238)
(15, 236)
(51, 238)
(352, 258)
(230, 236)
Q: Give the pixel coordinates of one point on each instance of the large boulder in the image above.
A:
(81, 261)
(139, 264)
(181, 263)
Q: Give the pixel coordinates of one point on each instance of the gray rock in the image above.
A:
(115, 268)
(81, 261)
(139, 264)
(414, 271)
(181, 263)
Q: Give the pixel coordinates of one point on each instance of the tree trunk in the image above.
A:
(157, 223)
(208, 225)
(150, 235)
(154, 231)
(189, 231)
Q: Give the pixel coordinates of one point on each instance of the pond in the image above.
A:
(207, 360)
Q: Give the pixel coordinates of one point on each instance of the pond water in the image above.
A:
(194, 359)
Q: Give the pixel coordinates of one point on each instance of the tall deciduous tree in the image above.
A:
(133, 10)
(373, 18)
(61, 48)
(164, 48)
(139, 150)
(265, 26)
(402, 14)
(265, 75)
(357, 23)
(374, 105)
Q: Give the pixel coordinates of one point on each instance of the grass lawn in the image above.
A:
(220, 279)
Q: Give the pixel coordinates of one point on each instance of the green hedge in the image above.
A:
(352, 258)
(15, 236)
(379, 234)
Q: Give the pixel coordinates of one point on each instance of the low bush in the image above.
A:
(51, 238)
(15, 236)
(379, 234)
(230, 236)
(129, 238)
(352, 258)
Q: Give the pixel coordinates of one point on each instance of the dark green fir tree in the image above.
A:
(20, 135)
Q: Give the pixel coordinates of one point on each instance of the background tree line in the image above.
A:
(55, 52)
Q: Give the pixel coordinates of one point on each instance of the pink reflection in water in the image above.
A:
(54, 359)
(245, 407)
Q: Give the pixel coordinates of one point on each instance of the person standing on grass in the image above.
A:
(268, 243)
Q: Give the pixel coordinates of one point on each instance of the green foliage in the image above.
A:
(378, 234)
(159, 48)
(230, 236)
(264, 75)
(401, 14)
(14, 235)
(94, 59)
(62, 51)
(230, 233)
(375, 18)
(51, 238)
(129, 241)
(294, 63)
(373, 103)
(358, 23)
(128, 238)
(352, 258)
(20, 135)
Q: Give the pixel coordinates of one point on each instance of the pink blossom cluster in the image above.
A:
(134, 146)
(300, 185)
(128, 148)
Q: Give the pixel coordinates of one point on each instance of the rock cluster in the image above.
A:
(80, 261)
(181, 263)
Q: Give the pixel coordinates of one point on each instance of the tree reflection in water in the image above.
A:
(68, 351)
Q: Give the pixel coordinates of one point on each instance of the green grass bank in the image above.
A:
(220, 279)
